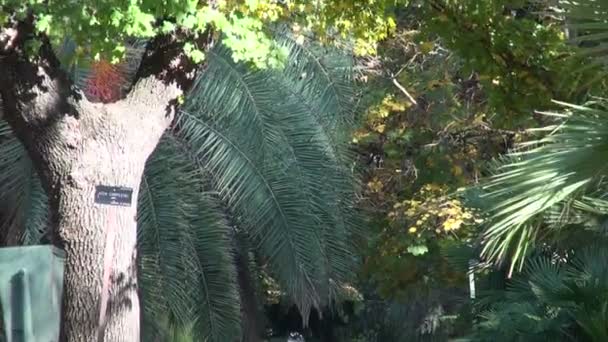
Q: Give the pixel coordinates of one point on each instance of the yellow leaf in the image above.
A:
(433, 84)
(427, 47)
(456, 170)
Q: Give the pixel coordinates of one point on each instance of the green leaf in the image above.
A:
(539, 175)
(167, 27)
(43, 23)
(196, 55)
(418, 250)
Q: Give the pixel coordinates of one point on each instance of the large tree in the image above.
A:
(554, 181)
(84, 132)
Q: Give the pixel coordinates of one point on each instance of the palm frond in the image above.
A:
(565, 300)
(219, 315)
(23, 201)
(162, 231)
(186, 272)
(251, 288)
(278, 166)
(268, 204)
(543, 281)
(519, 321)
(319, 80)
(323, 78)
(243, 98)
(458, 255)
(538, 176)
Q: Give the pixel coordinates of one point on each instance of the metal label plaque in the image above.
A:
(113, 195)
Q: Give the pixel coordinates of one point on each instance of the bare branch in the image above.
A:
(404, 91)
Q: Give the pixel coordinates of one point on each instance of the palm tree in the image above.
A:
(564, 301)
(547, 186)
(260, 154)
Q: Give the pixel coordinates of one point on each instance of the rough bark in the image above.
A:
(76, 145)
(102, 144)
(110, 146)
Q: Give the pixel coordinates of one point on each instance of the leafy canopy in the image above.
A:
(551, 183)
(519, 51)
(101, 28)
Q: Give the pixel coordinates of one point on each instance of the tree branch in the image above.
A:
(166, 71)
(404, 91)
(33, 90)
(36, 93)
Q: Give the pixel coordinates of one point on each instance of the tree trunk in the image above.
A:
(108, 145)
(77, 145)
(81, 146)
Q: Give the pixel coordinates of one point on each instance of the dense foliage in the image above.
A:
(460, 85)
(562, 299)
(481, 138)
(102, 29)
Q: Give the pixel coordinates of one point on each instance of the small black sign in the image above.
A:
(113, 195)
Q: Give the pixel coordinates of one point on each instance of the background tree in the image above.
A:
(546, 196)
(458, 86)
(424, 136)
(554, 169)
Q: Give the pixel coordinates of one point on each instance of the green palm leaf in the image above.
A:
(279, 169)
(540, 175)
(23, 201)
(322, 78)
(217, 295)
(588, 20)
(565, 300)
(186, 269)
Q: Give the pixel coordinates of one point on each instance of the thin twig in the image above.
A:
(409, 96)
